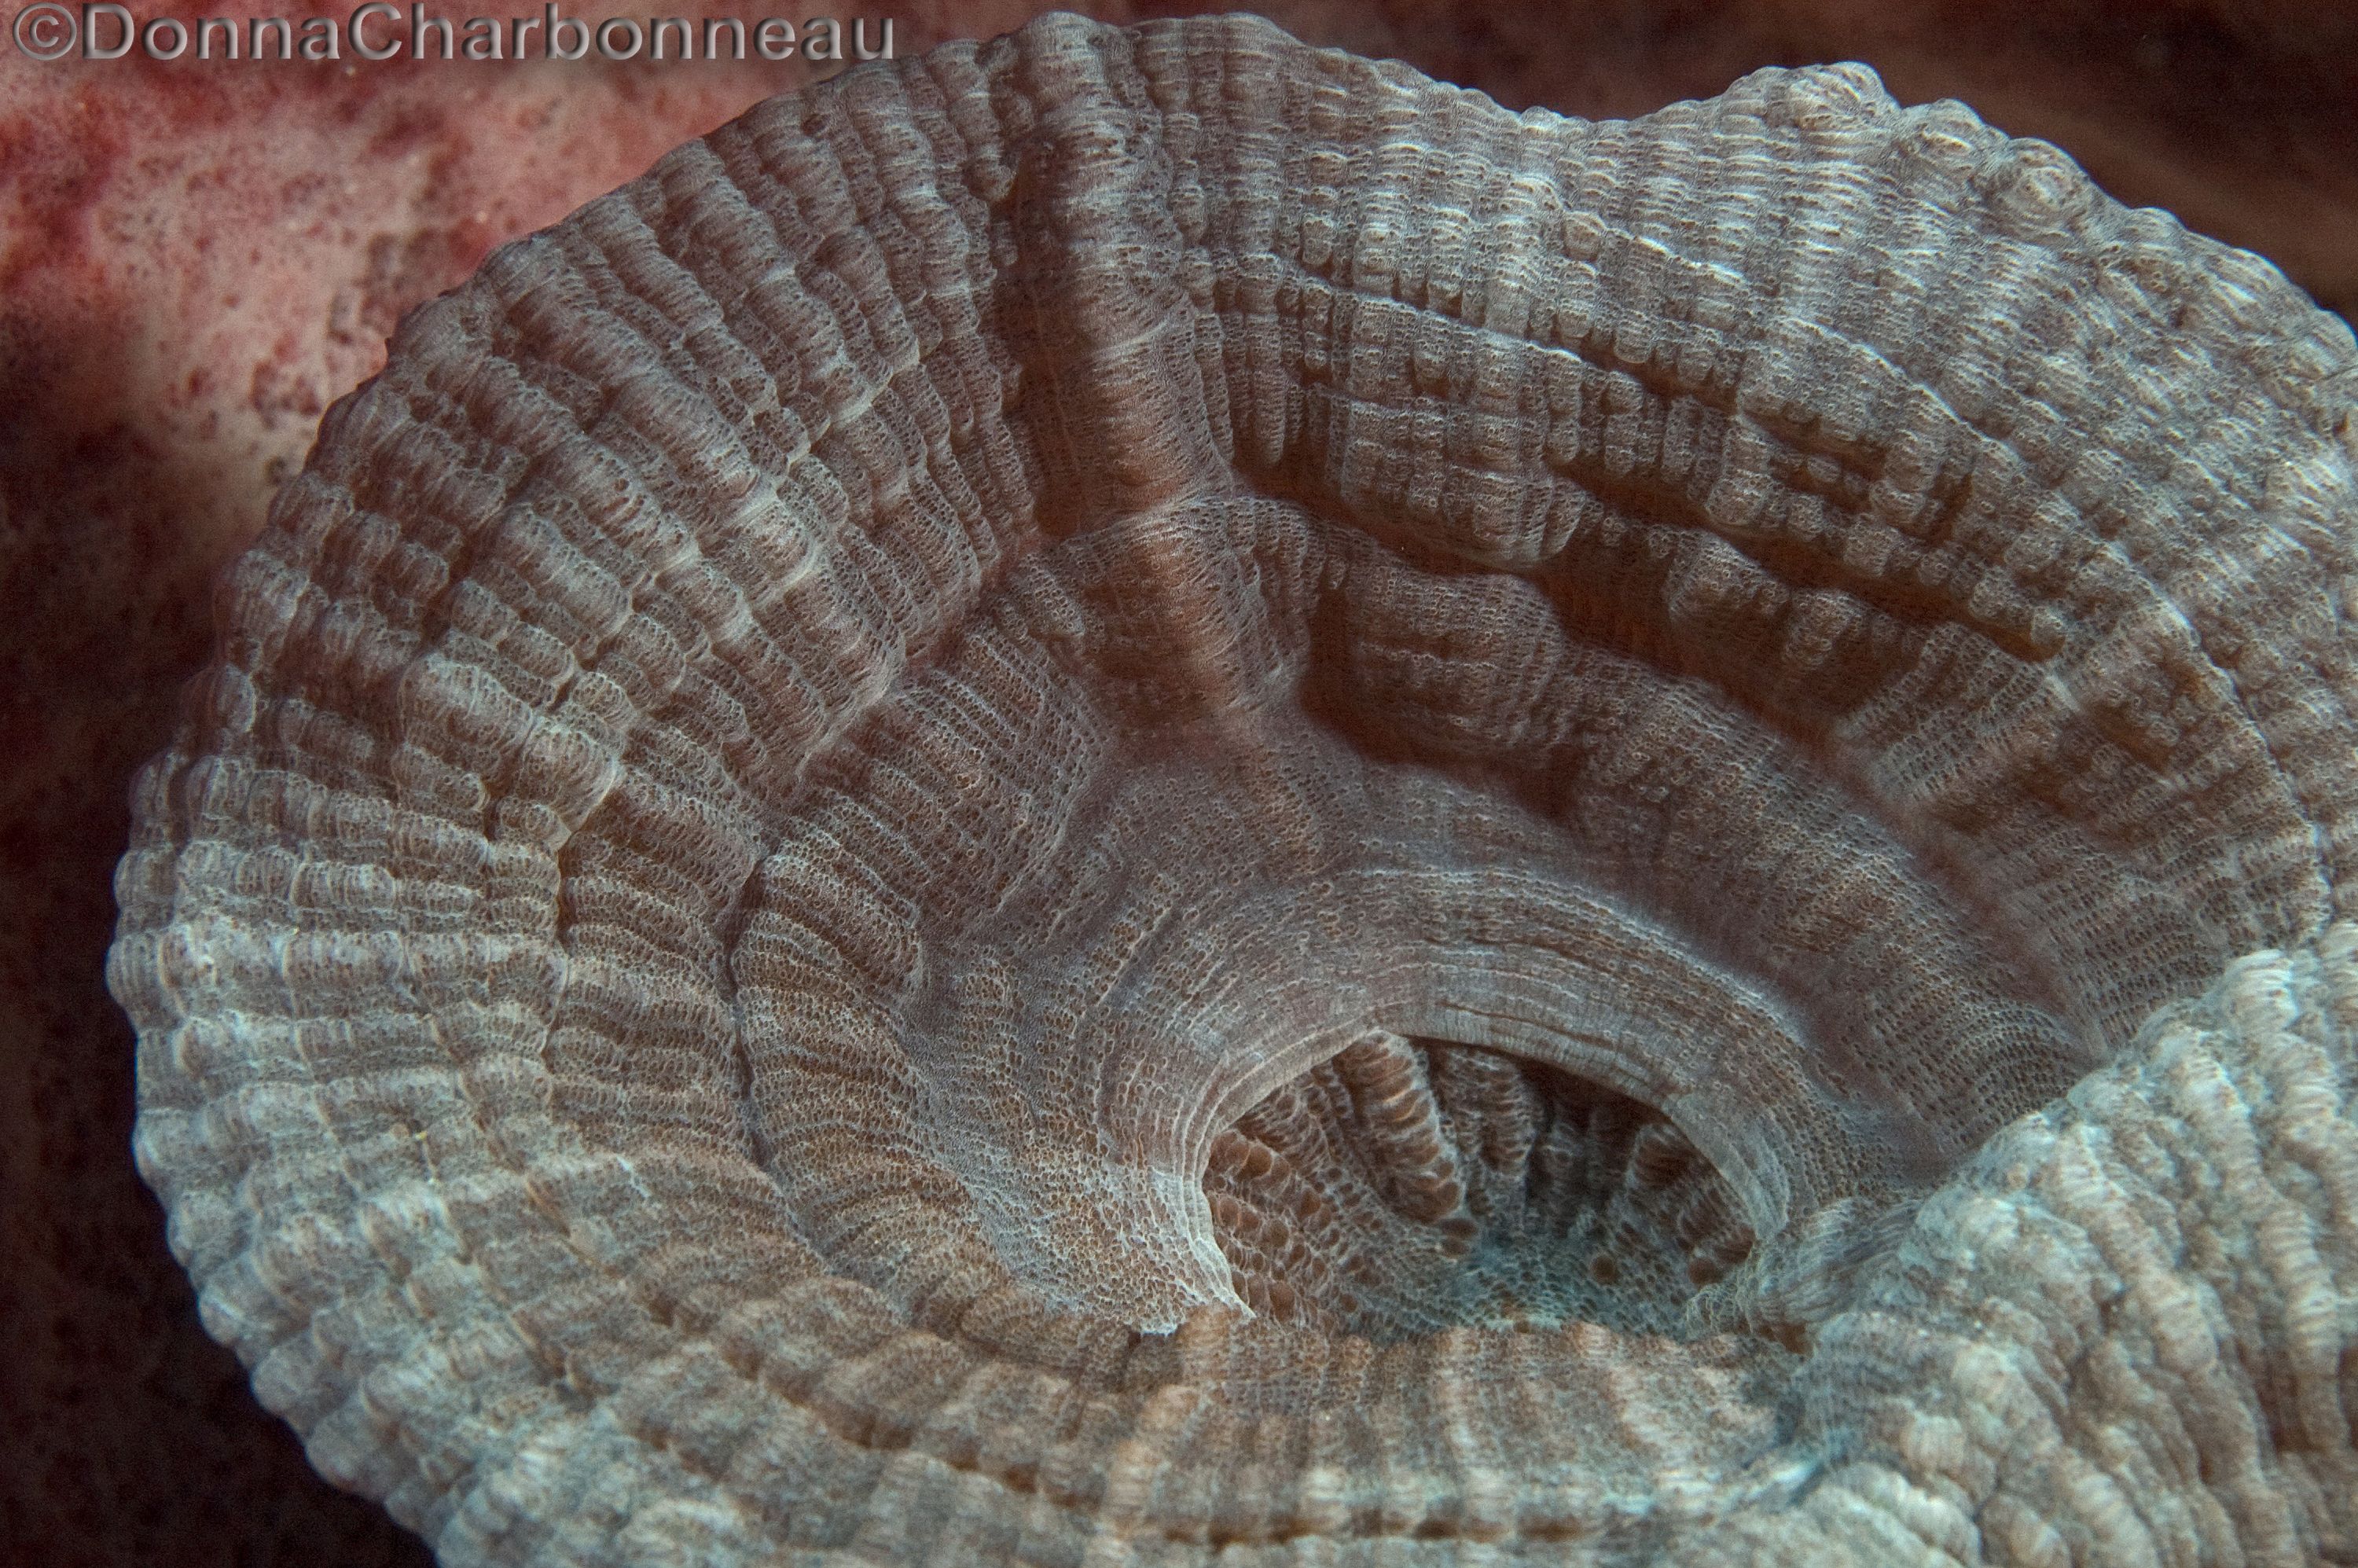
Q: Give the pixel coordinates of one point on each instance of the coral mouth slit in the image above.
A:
(1406, 1185)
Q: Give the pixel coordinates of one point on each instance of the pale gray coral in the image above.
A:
(1135, 797)
(2127, 1330)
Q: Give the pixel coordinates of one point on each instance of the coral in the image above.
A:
(1135, 794)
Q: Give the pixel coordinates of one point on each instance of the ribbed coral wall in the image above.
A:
(867, 765)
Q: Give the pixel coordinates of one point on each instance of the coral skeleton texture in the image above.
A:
(1142, 796)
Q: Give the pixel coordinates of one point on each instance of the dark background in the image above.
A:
(195, 259)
